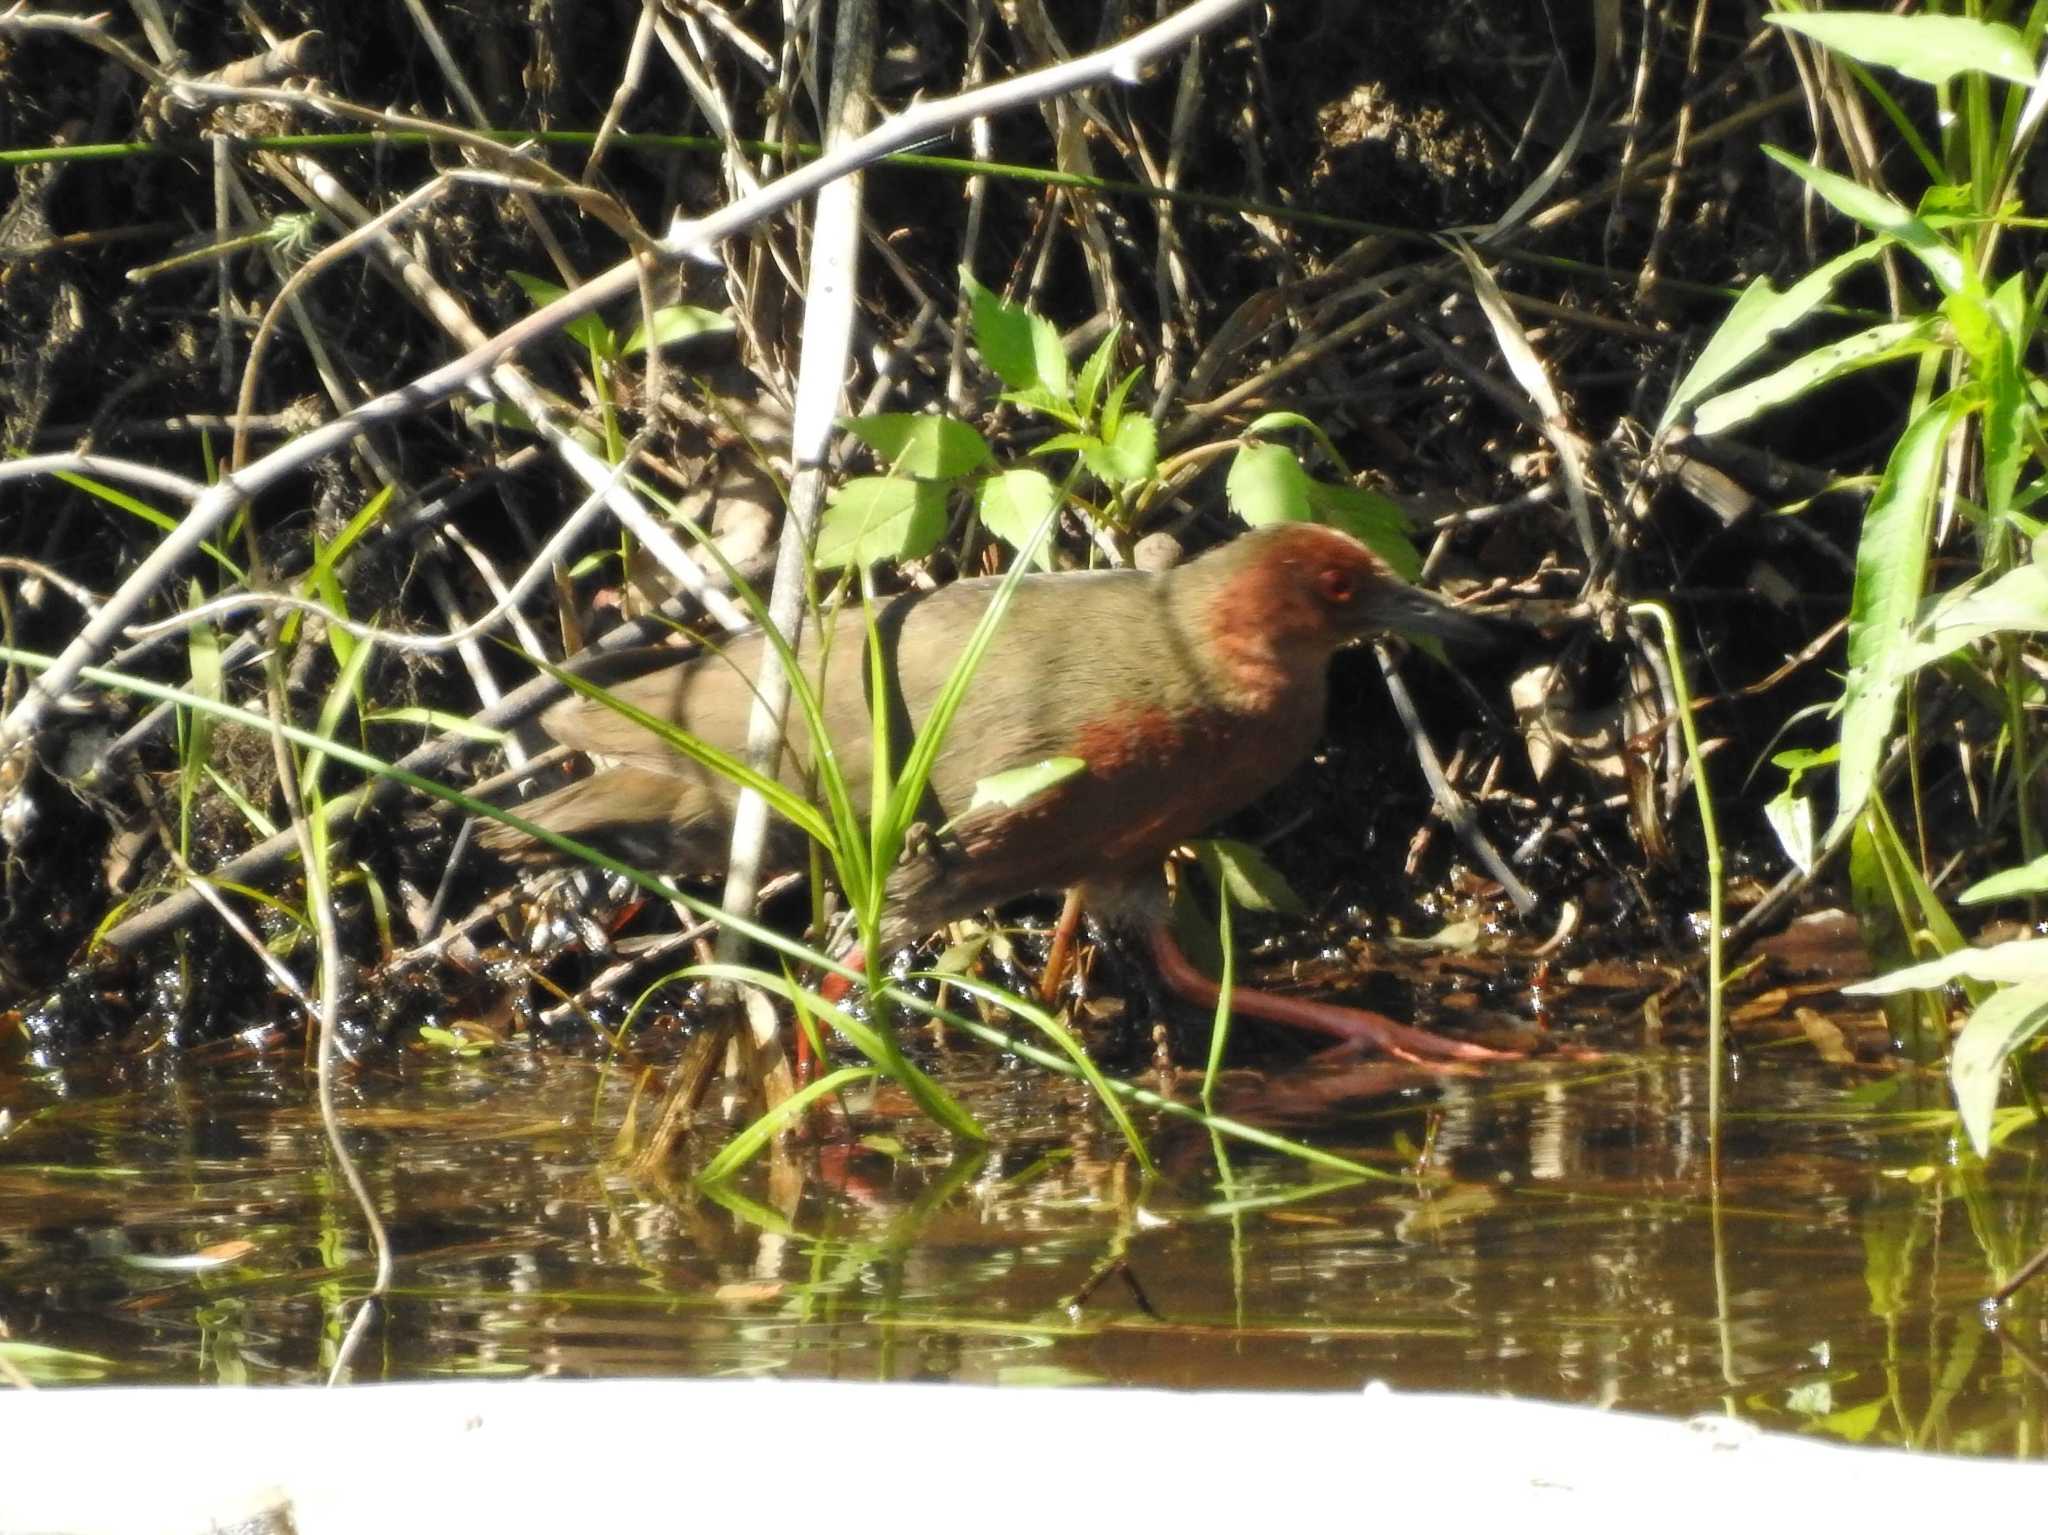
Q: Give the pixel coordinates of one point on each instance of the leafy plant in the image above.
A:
(1968, 455)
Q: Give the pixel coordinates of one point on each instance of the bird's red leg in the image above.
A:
(833, 988)
(1351, 1025)
(1062, 946)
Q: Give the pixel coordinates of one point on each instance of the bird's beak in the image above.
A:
(1411, 611)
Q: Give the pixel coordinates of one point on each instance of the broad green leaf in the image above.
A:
(1930, 49)
(1759, 314)
(1245, 874)
(677, 322)
(1013, 505)
(1969, 316)
(1891, 569)
(867, 520)
(1866, 349)
(1128, 457)
(924, 446)
(2018, 959)
(1880, 214)
(1267, 484)
(1023, 349)
(2028, 879)
(2017, 602)
(586, 328)
(1997, 1028)
(1010, 789)
(1376, 521)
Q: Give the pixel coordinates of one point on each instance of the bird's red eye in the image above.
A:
(1337, 586)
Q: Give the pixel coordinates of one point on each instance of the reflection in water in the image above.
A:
(1564, 1246)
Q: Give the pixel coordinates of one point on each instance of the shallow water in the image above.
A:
(181, 1222)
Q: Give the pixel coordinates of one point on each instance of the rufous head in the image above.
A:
(1307, 588)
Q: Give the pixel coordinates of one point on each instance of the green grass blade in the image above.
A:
(1064, 1037)
(747, 1144)
(878, 1045)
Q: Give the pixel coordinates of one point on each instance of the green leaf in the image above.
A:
(1866, 349)
(782, 799)
(1288, 420)
(1129, 456)
(1930, 49)
(1023, 349)
(1007, 790)
(1891, 571)
(1243, 872)
(2028, 879)
(867, 520)
(674, 323)
(586, 328)
(162, 521)
(878, 1045)
(1113, 407)
(1760, 313)
(1977, 1064)
(1044, 402)
(1013, 504)
(747, 1143)
(2007, 415)
(1065, 442)
(1376, 521)
(1076, 1053)
(1267, 484)
(1881, 215)
(924, 446)
(1093, 372)
(538, 290)
(2016, 960)
(2015, 603)
(498, 413)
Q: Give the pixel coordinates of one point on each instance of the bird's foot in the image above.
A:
(1353, 1028)
(1367, 1031)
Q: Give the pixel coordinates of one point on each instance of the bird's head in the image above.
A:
(1305, 590)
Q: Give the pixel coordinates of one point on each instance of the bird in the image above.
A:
(1183, 694)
